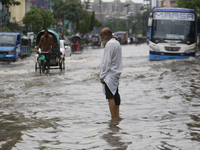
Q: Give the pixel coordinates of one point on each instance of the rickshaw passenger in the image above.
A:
(56, 45)
(45, 45)
(78, 46)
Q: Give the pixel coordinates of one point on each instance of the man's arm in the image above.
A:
(40, 43)
(106, 63)
(50, 44)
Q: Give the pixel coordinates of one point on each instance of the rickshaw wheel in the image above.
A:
(60, 65)
(63, 64)
(40, 67)
(36, 67)
(43, 66)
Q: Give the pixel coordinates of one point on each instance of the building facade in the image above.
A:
(18, 12)
(115, 9)
(151, 3)
(167, 3)
(41, 3)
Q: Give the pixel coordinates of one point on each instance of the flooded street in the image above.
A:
(68, 111)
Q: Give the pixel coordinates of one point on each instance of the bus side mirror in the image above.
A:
(149, 22)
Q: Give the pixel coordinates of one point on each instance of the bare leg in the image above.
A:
(48, 63)
(114, 110)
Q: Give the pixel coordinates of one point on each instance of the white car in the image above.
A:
(65, 49)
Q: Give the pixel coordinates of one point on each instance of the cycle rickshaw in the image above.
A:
(95, 41)
(57, 60)
(76, 44)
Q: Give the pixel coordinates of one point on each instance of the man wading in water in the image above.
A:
(111, 69)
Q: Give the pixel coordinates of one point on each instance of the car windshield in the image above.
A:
(173, 30)
(7, 40)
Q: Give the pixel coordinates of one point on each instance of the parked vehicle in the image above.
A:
(173, 33)
(11, 47)
(26, 47)
(65, 49)
(57, 60)
(122, 36)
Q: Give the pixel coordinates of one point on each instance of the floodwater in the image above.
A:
(68, 111)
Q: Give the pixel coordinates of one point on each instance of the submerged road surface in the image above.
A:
(68, 111)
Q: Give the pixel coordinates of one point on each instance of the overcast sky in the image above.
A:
(135, 1)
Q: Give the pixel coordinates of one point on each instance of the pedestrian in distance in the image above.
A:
(110, 70)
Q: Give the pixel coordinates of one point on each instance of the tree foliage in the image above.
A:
(84, 28)
(14, 26)
(8, 3)
(138, 23)
(38, 19)
(68, 10)
(192, 4)
(6, 29)
(64, 32)
(75, 12)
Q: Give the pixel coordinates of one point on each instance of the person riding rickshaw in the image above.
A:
(48, 48)
(76, 43)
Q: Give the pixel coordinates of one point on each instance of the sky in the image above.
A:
(135, 1)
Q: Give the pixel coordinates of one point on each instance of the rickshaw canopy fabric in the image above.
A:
(76, 36)
(95, 35)
(51, 32)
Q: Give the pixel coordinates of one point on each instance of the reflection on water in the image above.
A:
(113, 137)
(11, 126)
(160, 105)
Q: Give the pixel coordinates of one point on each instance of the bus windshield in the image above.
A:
(7, 40)
(173, 30)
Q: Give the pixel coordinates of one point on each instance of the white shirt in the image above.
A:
(111, 65)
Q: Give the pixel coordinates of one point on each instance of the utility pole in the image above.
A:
(2, 17)
(100, 11)
(127, 15)
(117, 14)
(40, 3)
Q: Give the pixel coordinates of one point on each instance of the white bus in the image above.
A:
(172, 33)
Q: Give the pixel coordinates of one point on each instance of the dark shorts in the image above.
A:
(109, 95)
(47, 57)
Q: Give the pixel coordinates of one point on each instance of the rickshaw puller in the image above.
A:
(45, 45)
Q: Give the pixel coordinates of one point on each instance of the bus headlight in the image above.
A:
(11, 52)
(154, 48)
(190, 50)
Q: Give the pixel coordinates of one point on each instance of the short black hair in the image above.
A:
(46, 30)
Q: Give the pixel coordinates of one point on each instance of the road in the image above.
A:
(68, 111)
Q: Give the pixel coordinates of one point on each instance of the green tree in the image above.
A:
(84, 28)
(94, 22)
(14, 26)
(8, 3)
(68, 10)
(38, 19)
(64, 32)
(192, 4)
(144, 18)
(75, 12)
(6, 29)
(111, 23)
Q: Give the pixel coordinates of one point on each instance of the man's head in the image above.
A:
(45, 32)
(105, 36)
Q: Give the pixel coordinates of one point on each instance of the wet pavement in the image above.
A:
(68, 111)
